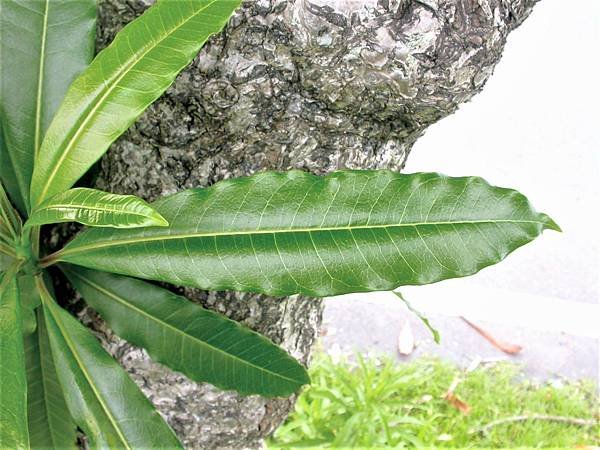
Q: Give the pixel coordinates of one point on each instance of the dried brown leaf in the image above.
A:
(406, 340)
(457, 403)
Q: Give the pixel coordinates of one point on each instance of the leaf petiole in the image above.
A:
(49, 260)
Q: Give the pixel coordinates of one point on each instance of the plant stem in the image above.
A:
(35, 241)
(48, 260)
(42, 289)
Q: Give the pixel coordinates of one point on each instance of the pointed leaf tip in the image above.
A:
(550, 224)
(159, 221)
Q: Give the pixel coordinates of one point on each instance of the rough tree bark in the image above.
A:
(312, 84)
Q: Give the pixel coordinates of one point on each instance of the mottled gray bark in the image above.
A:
(312, 84)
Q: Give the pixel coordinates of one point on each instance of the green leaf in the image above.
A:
(350, 231)
(6, 260)
(13, 385)
(10, 221)
(126, 77)
(434, 332)
(44, 45)
(30, 300)
(101, 397)
(7, 174)
(199, 343)
(10, 228)
(97, 209)
(50, 425)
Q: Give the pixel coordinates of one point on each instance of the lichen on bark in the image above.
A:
(312, 84)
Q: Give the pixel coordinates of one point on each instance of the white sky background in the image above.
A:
(535, 127)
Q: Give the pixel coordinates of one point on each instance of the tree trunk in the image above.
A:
(318, 85)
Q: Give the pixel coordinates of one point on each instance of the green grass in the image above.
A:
(381, 403)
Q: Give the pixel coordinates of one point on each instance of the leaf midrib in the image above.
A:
(90, 383)
(43, 369)
(177, 330)
(40, 83)
(114, 242)
(109, 90)
(91, 208)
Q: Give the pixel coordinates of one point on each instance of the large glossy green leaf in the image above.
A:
(98, 209)
(351, 231)
(44, 45)
(201, 344)
(118, 86)
(101, 397)
(50, 425)
(13, 385)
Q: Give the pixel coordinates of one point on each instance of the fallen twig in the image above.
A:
(511, 349)
(568, 420)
